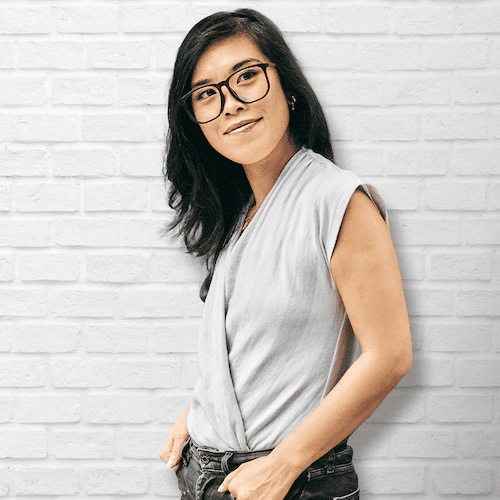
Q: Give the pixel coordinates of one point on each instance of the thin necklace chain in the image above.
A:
(249, 217)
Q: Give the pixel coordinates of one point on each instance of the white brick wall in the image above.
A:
(99, 313)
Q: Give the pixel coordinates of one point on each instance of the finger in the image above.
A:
(167, 448)
(225, 484)
(175, 454)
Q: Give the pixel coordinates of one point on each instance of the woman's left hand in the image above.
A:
(263, 478)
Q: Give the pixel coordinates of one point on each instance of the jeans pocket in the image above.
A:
(350, 496)
(184, 459)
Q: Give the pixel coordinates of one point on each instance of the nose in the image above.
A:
(231, 104)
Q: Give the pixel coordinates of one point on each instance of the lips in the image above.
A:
(241, 124)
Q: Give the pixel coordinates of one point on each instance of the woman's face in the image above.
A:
(248, 145)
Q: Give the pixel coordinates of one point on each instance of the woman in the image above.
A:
(302, 271)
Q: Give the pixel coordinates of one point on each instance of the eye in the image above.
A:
(204, 94)
(247, 75)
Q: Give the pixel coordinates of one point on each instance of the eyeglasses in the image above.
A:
(247, 85)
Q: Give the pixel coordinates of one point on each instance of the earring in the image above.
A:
(292, 102)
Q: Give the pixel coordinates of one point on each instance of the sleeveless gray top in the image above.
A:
(274, 335)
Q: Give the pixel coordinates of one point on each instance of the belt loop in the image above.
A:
(224, 460)
(330, 464)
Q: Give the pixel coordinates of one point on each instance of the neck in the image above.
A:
(263, 174)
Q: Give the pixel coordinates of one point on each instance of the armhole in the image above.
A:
(341, 208)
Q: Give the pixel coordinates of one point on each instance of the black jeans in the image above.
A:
(330, 477)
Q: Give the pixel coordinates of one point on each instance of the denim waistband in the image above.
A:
(222, 460)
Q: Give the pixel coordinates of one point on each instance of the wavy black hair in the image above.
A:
(208, 191)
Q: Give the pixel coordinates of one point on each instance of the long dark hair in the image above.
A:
(208, 191)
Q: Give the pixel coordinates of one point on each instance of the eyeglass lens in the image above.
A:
(249, 84)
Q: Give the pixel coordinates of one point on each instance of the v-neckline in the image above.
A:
(238, 233)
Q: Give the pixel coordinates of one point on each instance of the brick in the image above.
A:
(422, 20)
(24, 233)
(169, 407)
(190, 372)
(6, 410)
(23, 162)
(147, 374)
(23, 302)
(22, 91)
(480, 230)
(22, 373)
(49, 267)
(116, 480)
(159, 201)
(479, 444)
(165, 51)
(118, 408)
(478, 302)
(114, 127)
(383, 56)
(141, 444)
(84, 372)
(475, 160)
(44, 480)
(462, 480)
(147, 233)
(479, 373)
(176, 268)
(157, 303)
(6, 267)
(356, 19)
(48, 408)
(53, 127)
(92, 19)
(7, 55)
(386, 126)
(87, 233)
(43, 338)
(5, 196)
(297, 18)
(118, 55)
(393, 480)
(457, 337)
(460, 408)
(493, 196)
(429, 372)
(357, 90)
(451, 54)
(484, 19)
(115, 197)
(402, 407)
(429, 161)
(94, 91)
(18, 21)
(319, 54)
(369, 441)
(460, 266)
(84, 303)
(443, 125)
(83, 445)
(51, 55)
(179, 337)
(428, 89)
(477, 89)
(45, 197)
(117, 338)
(456, 196)
(154, 18)
(429, 302)
(84, 163)
(423, 444)
(141, 162)
(23, 444)
(141, 91)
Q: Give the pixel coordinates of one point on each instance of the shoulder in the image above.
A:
(326, 178)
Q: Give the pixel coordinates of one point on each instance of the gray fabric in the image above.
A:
(274, 336)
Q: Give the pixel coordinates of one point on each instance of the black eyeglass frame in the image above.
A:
(225, 83)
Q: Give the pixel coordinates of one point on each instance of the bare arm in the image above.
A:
(365, 270)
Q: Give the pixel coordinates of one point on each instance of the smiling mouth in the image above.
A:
(247, 126)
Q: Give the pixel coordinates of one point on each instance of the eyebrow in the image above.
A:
(236, 67)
